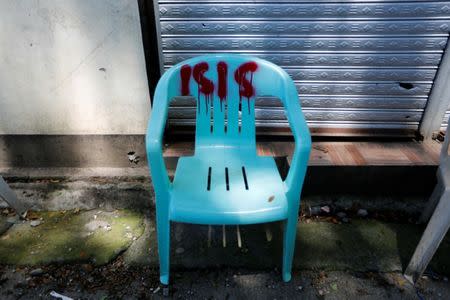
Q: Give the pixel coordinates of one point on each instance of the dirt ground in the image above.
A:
(111, 254)
(120, 281)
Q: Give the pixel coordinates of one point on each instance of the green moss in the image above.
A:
(363, 245)
(64, 237)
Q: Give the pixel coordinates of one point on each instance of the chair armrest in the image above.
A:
(153, 141)
(300, 130)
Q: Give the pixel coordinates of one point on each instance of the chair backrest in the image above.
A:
(225, 87)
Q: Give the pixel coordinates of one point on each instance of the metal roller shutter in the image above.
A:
(445, 120)
(360, 66)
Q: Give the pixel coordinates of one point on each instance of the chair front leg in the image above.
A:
(163, 233)
(289, 238)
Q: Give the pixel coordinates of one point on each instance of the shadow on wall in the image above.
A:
(39, 151)
(73, 81)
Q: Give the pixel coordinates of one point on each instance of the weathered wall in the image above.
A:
(72, 67)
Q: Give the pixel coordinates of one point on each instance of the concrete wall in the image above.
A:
(72, 67)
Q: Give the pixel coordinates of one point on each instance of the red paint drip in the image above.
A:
(222, 71)
(205, 86)
(185, 74)
(246, 88)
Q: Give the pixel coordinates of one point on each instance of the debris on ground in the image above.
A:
(59, 296)
(35, 223)
(32, 215)
(119, 281)
(362, 213)
(325, 209)
(314, 210)
(37, 272)
(157, 290)
(341, 215)
(319, 210)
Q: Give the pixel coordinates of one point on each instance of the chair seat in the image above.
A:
(203, 193)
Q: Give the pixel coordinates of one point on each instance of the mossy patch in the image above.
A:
(71, 237)
(363, 245)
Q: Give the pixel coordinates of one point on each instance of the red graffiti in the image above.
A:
(222, 71)
(246, 88)
(205, 85)
(185, 74)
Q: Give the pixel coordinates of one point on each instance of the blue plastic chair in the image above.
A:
(226, 182)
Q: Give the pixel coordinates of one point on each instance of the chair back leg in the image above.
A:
(431, 238)
(432, 202)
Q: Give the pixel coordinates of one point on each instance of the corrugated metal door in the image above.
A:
(360, 66)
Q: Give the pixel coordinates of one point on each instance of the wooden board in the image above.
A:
(342, 153)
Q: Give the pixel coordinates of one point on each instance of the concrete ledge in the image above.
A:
(379, 188)
(70, 150)
(95, 192)
(14, 174)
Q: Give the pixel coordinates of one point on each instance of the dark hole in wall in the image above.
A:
(132, 157)
(406, 85)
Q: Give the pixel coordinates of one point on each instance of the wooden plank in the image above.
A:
(342, 153)
(320, 155)
(383, 154)
(419, 155)
(356, 154)
(334, 156)
(434, 150)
